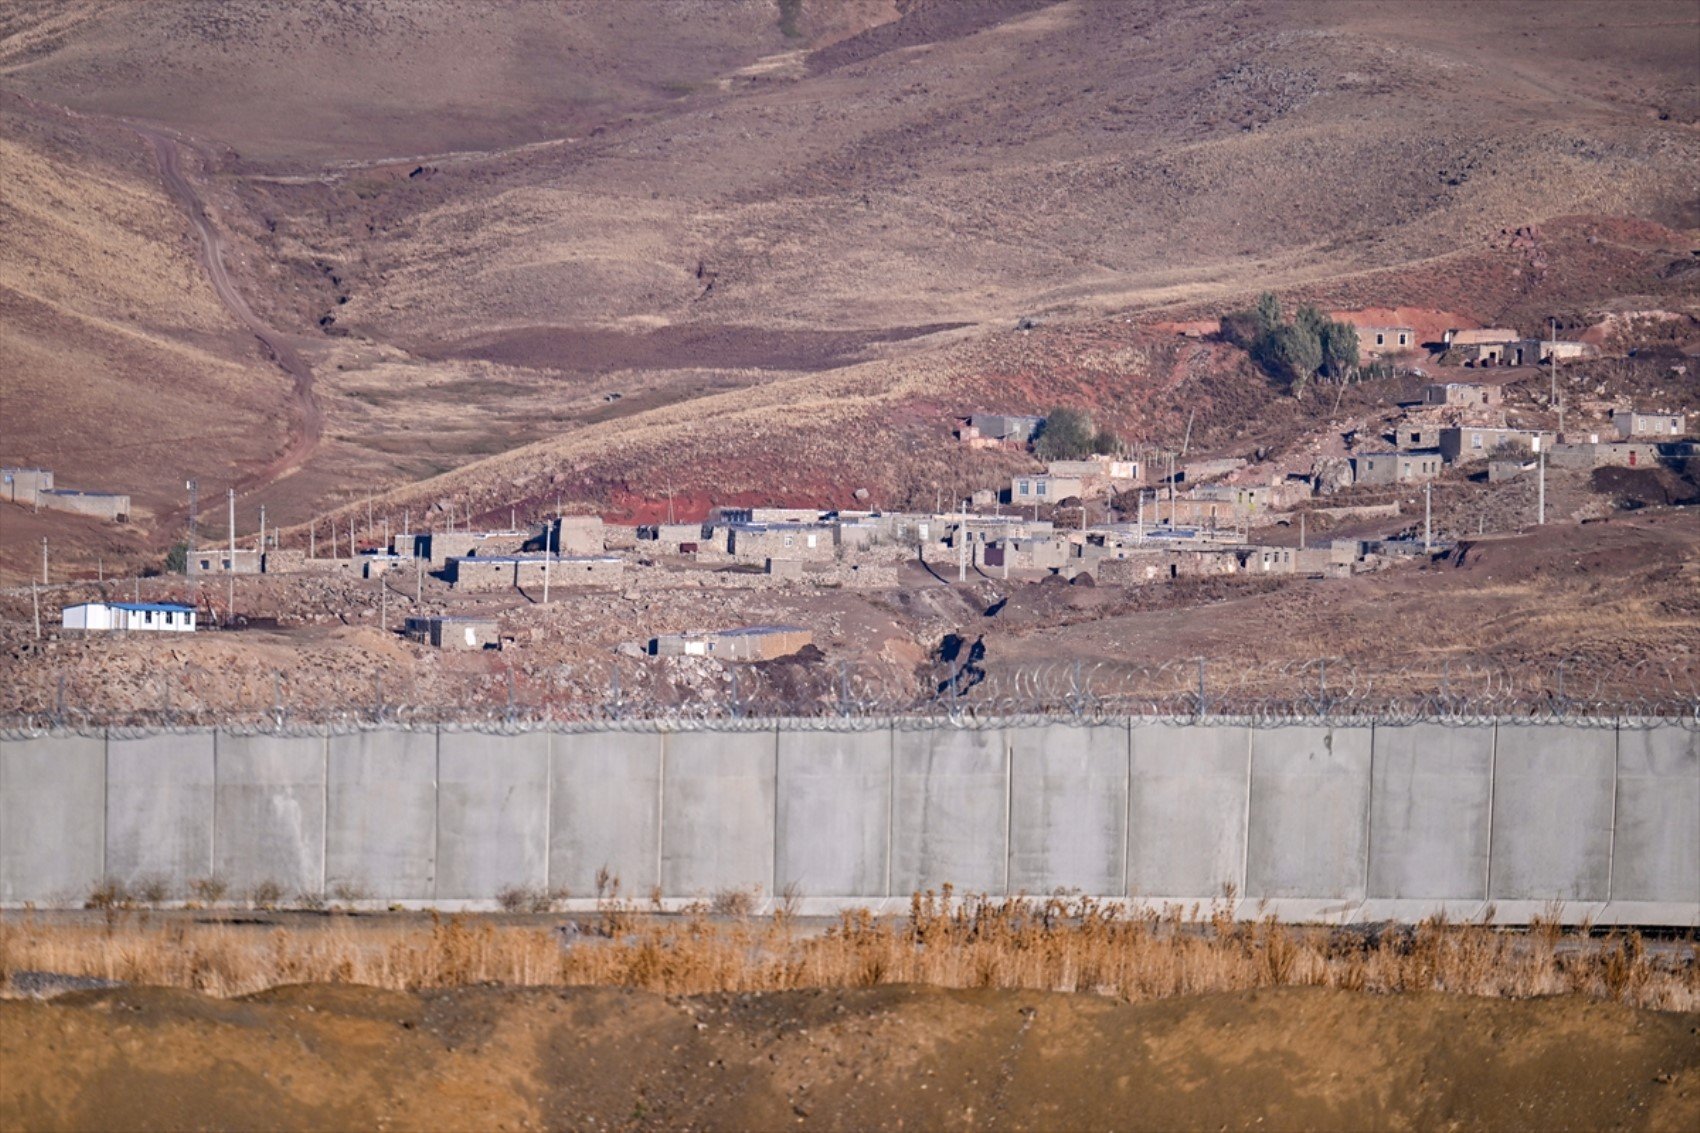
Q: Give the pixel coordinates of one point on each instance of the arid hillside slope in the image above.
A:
(596, 229)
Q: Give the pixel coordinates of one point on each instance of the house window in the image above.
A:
(1041, 487)
(147, 615)
(790, 539)
(812, 540)
(1402, 339)
(1380, 340)
(168, 619)
(1026, 489)
(1475, 440)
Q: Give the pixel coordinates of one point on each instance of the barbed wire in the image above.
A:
(963, 692)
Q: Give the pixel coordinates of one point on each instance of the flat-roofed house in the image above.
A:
(1045, 489)
(1463, 393)
(148, 617)
(455, 631)
(21, 485)
(1395, 467)
(1381, 341)
(526, 572)
(745, 643)
(1631, 423)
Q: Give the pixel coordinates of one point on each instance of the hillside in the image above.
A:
(757, 248)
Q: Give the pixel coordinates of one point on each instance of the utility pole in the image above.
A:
(1428, 517)
(418, 581)
(546, 557)
(44, 580)
(1186, 441)
(1301, 530)
(1552, 361)
(230, 602)
(1171, 491)
(1541, 506)
(262, 529)
(1139, 523)
(962, 546)
(194, 487)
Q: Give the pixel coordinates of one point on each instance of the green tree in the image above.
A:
(1291, 353)
(1311, 319)
(1339, 349)
(1065, 435)
(1105, 442)
(177, 559)
(1268, 313)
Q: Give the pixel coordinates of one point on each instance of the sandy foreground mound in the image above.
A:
(325, 1057)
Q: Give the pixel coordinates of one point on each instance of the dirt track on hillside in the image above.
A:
(328, 1057)
(308, 423)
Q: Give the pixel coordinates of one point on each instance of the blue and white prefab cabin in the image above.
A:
(158, 617)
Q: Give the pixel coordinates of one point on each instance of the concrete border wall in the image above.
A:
(1305, 821)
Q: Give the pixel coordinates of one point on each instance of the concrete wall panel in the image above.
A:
(1308, 831)
(159, 809)
(269, 812)
(1656, 850)
(1187, 811)
(381, 815)
(717, 822)
(605, 811)
(1552, 811)
(492, 813)
(834, 812)
(949, 810)
(52, 818)
(1428, 824)
(1068, 809)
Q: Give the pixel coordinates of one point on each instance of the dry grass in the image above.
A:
(1057, 944)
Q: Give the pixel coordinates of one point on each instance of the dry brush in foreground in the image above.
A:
(1052, 945)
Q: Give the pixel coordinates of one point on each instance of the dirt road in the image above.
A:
(335, 1057)
(308, 423)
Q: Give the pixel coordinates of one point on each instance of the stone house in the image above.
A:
(1463, 393)
(22, 485)
(1631, 423)
(1411, 436)
(1381, 341)
(1024, 554)
(985, 430)
(526, 572)
(1045, 489)
(455, 631)
(746, 643)
(758, 542)
(101, 505)
(1395, 467)
(1467, 443)
(217, 560)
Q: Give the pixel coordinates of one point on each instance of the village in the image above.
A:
(1489, 417)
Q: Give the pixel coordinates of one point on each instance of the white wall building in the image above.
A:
(159, 617)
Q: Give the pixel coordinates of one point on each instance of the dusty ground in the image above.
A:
(891, 1058)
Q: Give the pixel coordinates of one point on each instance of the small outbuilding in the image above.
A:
(747, 643)
(147, 617)
(454, 631)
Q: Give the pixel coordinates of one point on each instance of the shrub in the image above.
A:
(266, 895)
(209, 890)
(1065, 435)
